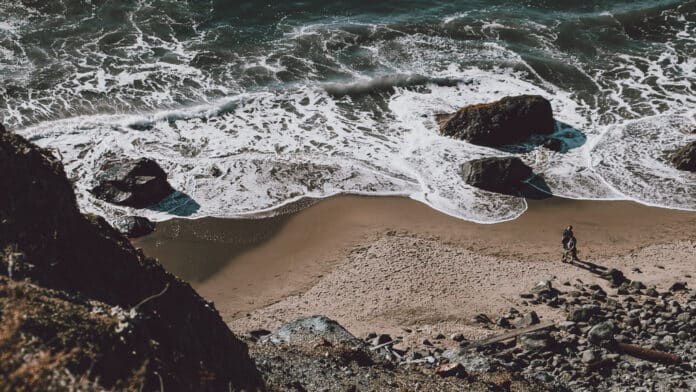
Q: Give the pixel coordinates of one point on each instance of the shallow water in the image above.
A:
(310, 99)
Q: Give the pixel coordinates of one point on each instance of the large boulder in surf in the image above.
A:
(508, 121)
(165, 336)
(135, 183)
(502, 175)
(685, 157)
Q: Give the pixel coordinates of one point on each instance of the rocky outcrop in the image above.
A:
(685, 158)
(307, 329)
(508, 121)
(45, 239)
(134, 183)
(503, 175)
(134, 226)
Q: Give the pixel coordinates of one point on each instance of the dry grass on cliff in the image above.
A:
(49, 343)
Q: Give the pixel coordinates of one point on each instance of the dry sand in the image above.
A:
(383, 264)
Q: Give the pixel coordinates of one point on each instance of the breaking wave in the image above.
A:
(251, 111)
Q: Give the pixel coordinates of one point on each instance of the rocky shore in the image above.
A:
(630, 337)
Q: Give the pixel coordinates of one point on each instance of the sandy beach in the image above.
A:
(392, 263)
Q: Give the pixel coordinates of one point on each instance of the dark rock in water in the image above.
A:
(311, 329)
(73, 254)
(508, 121)
(134, 226)
(503, 175)
(2, 128)
(553, 144)
(134, 183)
(685, 158)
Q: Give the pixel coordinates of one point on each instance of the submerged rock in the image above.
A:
(503, 175)
(134, 226)
(685, 158)
(510, 120)
(554, 144)
(134, 183)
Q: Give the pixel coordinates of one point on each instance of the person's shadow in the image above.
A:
(589, 266)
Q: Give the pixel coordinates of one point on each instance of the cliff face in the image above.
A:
(45, 240)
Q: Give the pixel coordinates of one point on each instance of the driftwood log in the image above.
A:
(647, 353)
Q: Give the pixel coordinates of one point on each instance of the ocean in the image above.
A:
(250, 105)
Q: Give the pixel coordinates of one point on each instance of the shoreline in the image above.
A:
(244, 265)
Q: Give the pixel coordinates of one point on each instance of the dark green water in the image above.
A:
(313, 98)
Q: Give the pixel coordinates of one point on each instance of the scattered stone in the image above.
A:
(381, 339)
(256, 334)
(482, 318)
(527, 320)
(678, 286)
(652, 292)
(312, 329)
(134, 226)
(503, 322)
(589, 356)
(615, 277)
(580, 314)
(451, 370)
(457, 337)
(536, 341)
(602, 333)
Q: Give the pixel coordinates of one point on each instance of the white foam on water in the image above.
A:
(257, 150)
(634, 158)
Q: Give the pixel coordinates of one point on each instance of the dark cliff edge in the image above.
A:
(80, 307)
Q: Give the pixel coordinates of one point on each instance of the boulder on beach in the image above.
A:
(311, 329)
(134, 183)
(685, 158)
(503, 175)
(134, 226)
(507, 121)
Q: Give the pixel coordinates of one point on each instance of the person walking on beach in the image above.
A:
(569, 244)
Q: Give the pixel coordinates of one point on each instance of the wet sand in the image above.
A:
(246, 265)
